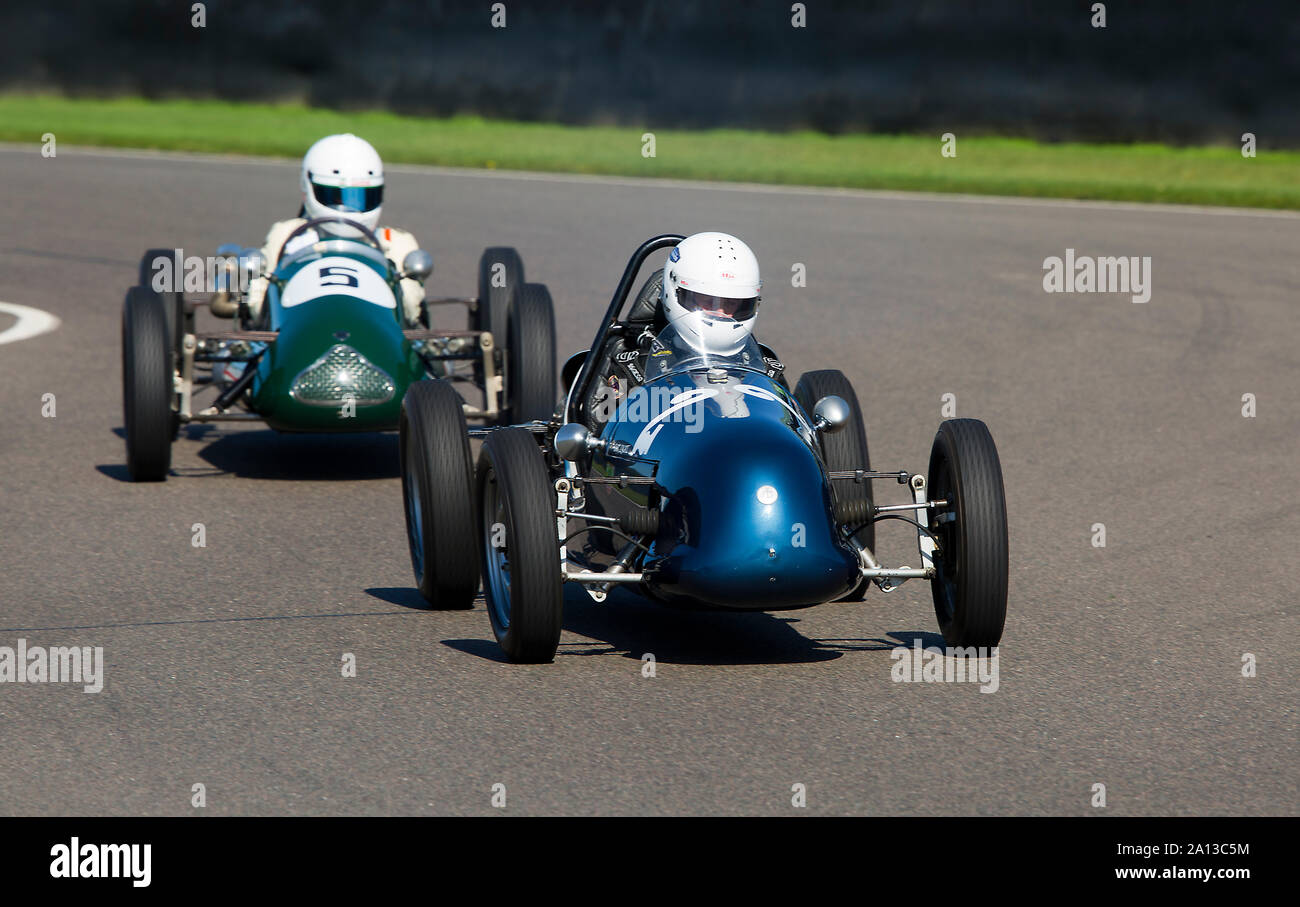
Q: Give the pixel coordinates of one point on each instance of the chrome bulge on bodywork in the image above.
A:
(831, 414)
(418, 264)
(340, 376)
(573, 440)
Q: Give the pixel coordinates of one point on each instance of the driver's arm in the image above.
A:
(275, 238)
(773, 365)
(397, 245)
(620, 369)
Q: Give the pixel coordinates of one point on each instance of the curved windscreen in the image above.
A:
(698, 388)
(694, 342)
(314, 246)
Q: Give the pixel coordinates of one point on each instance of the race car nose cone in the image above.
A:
(772, 498)
(343, 374)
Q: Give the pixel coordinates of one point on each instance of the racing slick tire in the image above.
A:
(174, 307)
(843, 450)
(521, 556)
(438, 494)
(147, 387)
(970, 583)
(496, 289)
(530, 372)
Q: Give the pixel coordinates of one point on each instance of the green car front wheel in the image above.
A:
(147, 392)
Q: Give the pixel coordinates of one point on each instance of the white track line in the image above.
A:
(644, 182)
(31, 323)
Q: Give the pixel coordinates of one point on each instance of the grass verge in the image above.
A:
(994, 166)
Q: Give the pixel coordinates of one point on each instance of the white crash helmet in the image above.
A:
(342, 175)
(711, 292)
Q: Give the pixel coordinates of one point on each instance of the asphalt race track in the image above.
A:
(1121, 665)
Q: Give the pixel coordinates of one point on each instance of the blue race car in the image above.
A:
(711, 485)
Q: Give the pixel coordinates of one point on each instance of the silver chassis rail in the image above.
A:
(493, 383)
(597, 583)
(536, 427)
(183, 380)
(890, 578)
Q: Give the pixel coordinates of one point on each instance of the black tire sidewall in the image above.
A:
(530, 370)
(840, 451)
(172, 300)
(511, 457)
(979, 593)
(493, 310)
(494, 302)
(433, 439)
(147, 393)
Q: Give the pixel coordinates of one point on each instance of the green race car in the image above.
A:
(330, 352)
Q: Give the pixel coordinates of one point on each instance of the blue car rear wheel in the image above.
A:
(844, 450)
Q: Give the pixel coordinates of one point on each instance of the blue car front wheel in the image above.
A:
(437, 492)
(520, 549)
(970, 586)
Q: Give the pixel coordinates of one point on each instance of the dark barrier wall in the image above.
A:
(1182, 72)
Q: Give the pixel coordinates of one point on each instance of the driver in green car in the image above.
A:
(342, 175)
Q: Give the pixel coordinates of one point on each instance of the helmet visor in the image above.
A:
(717, 306)
(357, 199)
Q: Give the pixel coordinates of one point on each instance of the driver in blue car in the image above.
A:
(708, 290)
(342, 176)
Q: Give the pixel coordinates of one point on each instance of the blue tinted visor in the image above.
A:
(358, 199)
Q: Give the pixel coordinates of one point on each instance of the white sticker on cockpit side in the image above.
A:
(655, 425)
(764, 394)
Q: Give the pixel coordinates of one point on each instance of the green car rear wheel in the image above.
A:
(531, 391)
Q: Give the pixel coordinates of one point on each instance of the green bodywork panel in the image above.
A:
(318, 320)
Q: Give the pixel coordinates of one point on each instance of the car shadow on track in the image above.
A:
(628, 626)
(266, 454)
(410, 597)
(631, 626)
(895, 639)
(487, 649)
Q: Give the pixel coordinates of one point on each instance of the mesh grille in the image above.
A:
(340, 373)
